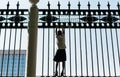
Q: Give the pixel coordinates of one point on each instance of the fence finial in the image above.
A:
(98, 5)
(118, 5)
(59, 5)
(48, 5)
(69, 5)
(108, 6)
(8, 5)
(18, 5)
(79, 5)
(88, 5)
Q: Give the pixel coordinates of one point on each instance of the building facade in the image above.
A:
(12, 62)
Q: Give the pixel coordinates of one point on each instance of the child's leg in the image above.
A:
(56, 66)
(56, 69)
(63, 66)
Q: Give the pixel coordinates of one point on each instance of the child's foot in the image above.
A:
(56, 74)
(61, 73)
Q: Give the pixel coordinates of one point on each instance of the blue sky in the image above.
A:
(42, 3)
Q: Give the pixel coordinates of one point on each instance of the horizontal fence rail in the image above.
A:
(77, 18)
(92, 38)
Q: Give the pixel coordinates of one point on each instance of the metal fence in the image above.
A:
(92, 38)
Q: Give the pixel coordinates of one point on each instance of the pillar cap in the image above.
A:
(34, 1)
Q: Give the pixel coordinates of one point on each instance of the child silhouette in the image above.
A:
(61, 53)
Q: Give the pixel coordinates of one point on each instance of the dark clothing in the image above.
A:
(60, 55)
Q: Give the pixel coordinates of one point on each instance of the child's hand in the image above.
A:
(62, 26)
(69, 26)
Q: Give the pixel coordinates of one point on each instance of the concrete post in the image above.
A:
(32, 42)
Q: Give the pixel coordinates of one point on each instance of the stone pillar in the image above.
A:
(32, 42)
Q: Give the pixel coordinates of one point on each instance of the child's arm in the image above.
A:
(63, 30)
(56, 30)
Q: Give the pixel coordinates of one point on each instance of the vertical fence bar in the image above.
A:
(14, 56)
(101, 43)
(86, 51)
(53, 49)
(75, 52)
(81, 52)
(87, 70)
(89, 14)
(113, 52)
(107, 52)
(110, 24)
(117, 46)
(80, 40)
(3, 55)
(69, 36)
(8, 53)
(70, 50)
(48, 48)
(13, 67)
(106, 42)
(117, 36)
(43, 52)
(9, 44)
(101, 38)
(18, 69)
(19, 56)
(91, 52)
(102, 51)
(48, 35)
(59, 26)
(96, 39)
(109, 14)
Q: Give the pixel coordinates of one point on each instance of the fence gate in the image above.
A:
(92, 38)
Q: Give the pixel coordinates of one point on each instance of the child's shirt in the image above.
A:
(61, 41)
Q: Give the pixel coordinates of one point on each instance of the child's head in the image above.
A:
(59, 32)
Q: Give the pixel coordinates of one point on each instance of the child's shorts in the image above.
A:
(60, 55)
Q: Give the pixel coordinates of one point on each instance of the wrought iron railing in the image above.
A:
(92, 38)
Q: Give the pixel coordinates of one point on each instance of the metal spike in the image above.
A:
(88, 5)
(108, 5)
(59, 5)
(98, 5)
(8, 5)
(18, 5)
(79, 4)
(48, 5)
(118, 5)
(69, 4)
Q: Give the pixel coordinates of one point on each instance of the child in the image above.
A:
(61, 53)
